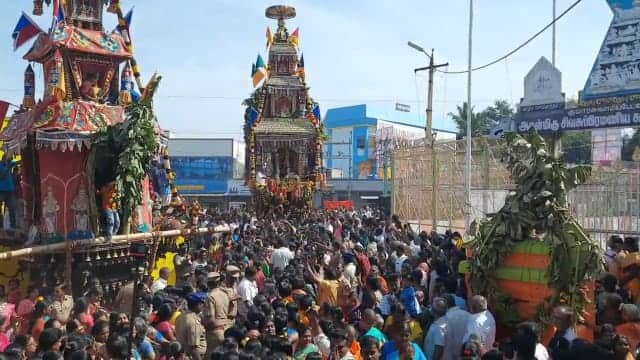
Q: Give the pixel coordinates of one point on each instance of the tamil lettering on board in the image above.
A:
(613, 115)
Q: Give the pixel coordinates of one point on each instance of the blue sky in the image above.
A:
(355, 52)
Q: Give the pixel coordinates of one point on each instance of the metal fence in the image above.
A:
(609, 203)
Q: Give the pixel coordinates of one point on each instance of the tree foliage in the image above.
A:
(629, 145)
(576, 146)
(537, 208)
(483, 121)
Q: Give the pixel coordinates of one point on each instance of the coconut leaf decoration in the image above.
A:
(536, 211)
(135, 144)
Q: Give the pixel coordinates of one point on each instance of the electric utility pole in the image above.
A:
(430, 136)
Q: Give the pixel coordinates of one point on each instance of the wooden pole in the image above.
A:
(68, 262)
(126, 35)
(118, 239)
(154, 253)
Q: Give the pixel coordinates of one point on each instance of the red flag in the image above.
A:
(4, 108)
(294, 38)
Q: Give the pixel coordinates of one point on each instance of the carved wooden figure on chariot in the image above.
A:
(80, 207)
(50, 210)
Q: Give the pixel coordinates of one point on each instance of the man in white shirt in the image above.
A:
(162, 282)
(481, 323)
(434, 340)
(401, 259)
(456, 321)
(247, 288)
(281, 256)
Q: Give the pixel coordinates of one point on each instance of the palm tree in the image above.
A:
(460, 118)
(484, 121)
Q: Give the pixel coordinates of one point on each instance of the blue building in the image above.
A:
(361, 136)
(209, 169)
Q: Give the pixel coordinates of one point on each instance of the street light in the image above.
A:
(418, 47)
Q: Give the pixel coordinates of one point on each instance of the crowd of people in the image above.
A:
(336, 285)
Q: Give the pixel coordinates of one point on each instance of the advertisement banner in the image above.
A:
(338, 204)
(238, 188)
(202, 175)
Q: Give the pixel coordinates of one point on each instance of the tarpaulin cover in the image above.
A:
(27, 168)
(82, 40)
(15, 132)
(337, 204)
(63, 173)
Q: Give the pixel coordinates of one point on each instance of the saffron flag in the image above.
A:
(301, 72)
(25, 30)
(269, 37)
(316, 111)
(260, 73)
(253, 116)
(294, 38)
(4, 108)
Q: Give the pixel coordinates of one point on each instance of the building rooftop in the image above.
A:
(370, 114)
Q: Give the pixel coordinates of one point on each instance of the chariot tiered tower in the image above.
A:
(283, 129)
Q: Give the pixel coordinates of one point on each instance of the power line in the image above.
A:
(521, 45)
(345, 100)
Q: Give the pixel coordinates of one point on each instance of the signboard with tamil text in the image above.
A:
(600, 115)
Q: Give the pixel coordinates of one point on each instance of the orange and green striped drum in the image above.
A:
(523, 275)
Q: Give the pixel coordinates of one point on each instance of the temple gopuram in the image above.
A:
(283, 129)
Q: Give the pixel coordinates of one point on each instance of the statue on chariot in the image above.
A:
(283, 129)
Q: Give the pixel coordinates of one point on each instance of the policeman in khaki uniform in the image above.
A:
(230, 286)
(220, 307)
(189, 329)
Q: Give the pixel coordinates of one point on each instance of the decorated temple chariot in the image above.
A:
(283, 129)
(80, 178)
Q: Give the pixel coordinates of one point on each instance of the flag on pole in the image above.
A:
(253, 116)
(301, 72)
(269, 37)
(294, 38)
(25, 30)
(316, 111)
(261, 71)
(127, 18)
(58, 15)
(56, 87)
(4, 108)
